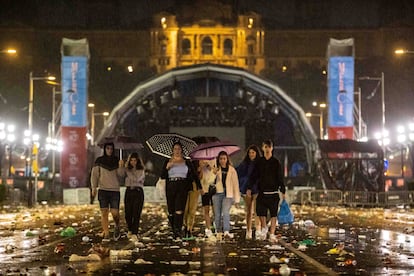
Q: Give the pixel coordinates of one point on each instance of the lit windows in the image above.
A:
(207, 46)
(186, 47)
(228, 47)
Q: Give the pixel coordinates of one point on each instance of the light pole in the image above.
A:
(321, 106)
(11, 137)
(380, 79)
(308, 114)
(30, 130)
(92, 125)
(93, 121)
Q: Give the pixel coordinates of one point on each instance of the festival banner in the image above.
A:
(73, 159)
(74, 91)
(340, 97)
(74, 123)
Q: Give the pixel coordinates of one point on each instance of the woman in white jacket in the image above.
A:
(228, 193)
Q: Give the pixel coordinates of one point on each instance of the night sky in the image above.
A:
(130, 14)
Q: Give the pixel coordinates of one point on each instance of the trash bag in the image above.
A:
(285, 215)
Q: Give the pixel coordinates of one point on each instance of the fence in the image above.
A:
(352, 198)
(16, 194)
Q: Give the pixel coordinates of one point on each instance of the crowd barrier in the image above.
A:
(299, 195)
(352, 198)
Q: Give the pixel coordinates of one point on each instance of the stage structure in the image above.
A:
(346, 164)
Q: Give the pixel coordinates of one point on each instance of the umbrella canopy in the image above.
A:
(208, 151)
(122, 143)
(162, 144)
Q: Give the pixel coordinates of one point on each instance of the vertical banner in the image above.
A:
(340, 84)
(74, 156)
(341, 98)
(74, 91)
(75, 73)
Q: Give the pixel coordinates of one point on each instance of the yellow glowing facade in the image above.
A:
(207, 41)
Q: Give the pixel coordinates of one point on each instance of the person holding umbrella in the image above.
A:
(227, 193)
(105, 183)
(179, 174)
(134, 193)
(244, 171)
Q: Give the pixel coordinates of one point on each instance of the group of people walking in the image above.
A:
(105, 182)
(258, 179)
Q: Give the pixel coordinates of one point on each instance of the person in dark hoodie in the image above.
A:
(105, 183)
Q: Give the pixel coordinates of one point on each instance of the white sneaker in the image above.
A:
(248, 234)
(208, 233)
(133, 238)
(229, 235)
(272, 238)
(264, 233)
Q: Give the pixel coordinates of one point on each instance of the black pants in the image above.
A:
(176, 193)
(134, 201)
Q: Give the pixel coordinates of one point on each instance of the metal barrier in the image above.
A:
(322, 197)
(356, 198)
(394, 198)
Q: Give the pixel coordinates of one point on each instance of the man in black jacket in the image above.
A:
(268, 174)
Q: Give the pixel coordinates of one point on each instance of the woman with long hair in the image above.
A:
(207, 178)
(244, 171)
(179, 174)
(134, 194)
(227, 193)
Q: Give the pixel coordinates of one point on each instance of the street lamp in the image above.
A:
(11, 137)
(92, 125)
(403, 52)
(309, 114)
(30, 130)
(7, 137)
(31, 80)
(9, 51)
(93, 120)
(380, 79)
(321, 106)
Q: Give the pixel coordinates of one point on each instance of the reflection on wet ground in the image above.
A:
(322, 241)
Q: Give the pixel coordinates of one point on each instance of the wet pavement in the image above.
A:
(63, 240)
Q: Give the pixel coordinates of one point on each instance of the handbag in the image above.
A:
(212, 189)
(285, 215)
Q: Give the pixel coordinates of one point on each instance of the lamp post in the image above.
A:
(380, 79)
(308, 114)
(30, 130)
(93, 121)
(11, 137)
(321, 106)
(92, 125)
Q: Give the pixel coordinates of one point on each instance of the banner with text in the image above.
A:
(73, 157)
(74, 91)
(340, 97)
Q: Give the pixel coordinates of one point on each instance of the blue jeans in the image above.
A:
(222, 205)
